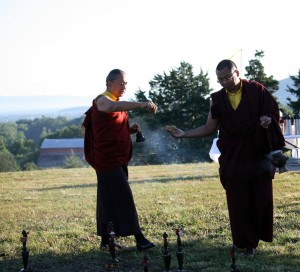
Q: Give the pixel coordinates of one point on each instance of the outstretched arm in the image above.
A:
(107, 105)
(209, 128)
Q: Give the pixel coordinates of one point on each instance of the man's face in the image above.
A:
(227, 77)
(118, 86)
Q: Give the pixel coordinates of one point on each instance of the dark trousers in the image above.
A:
(250, 206)
(115, 203)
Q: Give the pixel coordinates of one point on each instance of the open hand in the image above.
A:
(174, 131)
(151, 107)
(265, 121)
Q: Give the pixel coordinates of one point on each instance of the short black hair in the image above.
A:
(113, 74)
(226, 63)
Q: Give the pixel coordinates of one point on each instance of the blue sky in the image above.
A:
(67, 47)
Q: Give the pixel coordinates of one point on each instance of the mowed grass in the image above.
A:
(57, 208)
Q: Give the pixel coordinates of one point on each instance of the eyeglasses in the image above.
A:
(226, 78)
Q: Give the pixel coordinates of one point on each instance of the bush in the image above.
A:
(74, 161)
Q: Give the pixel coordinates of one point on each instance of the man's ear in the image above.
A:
(108, 84)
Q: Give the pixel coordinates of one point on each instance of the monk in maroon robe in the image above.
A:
(108, 148)
(247, 117)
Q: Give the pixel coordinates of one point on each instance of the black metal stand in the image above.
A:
(233, 259)
(179, 252)
(112, 264)
(145, 262)
(165, 253)
(25, 253)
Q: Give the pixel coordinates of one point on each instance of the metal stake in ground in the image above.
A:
(179, 252)
(112, 264)
(165, 253)
(145, 262)
(233, 259)
(25, 253)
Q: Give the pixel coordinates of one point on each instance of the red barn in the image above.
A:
(53, 152)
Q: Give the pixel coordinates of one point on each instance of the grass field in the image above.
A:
(57, 208)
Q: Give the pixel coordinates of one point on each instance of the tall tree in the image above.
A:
(73, 161)
(295, 105)
(10, 133)
(181, 96)
(33, 129)
(255, 71)
(183, 100)
(7, 160)
(73, 131)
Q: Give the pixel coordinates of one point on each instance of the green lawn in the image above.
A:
(57, 208)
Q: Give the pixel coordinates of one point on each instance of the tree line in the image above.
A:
(183, 100)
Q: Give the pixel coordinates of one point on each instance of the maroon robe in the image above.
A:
(245, 171)
(112, 144)
(108, 148)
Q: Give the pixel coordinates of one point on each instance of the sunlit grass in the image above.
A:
(57, 207)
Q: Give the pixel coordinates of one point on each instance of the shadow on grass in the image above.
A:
(168, 179)
(198, 256)
(154, 180)
(294, 205)
(91, 185)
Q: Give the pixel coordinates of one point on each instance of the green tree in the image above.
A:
(73, 161)
(7, 160)
(180, 96)
(23, 138)
(73, 131)
(25, 151)
(183, 100)
(255, 71)
(295, 105)
(10, 133)
(34, 129)
(30, 166)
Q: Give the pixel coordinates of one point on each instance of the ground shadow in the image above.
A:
(154, 180)
(198, 256)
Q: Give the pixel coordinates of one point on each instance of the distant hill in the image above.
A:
(69, 113)
(32, 104)
(282, 94)
(13, 108)
(29, 107)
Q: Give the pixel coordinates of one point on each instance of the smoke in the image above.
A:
(161, 148)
